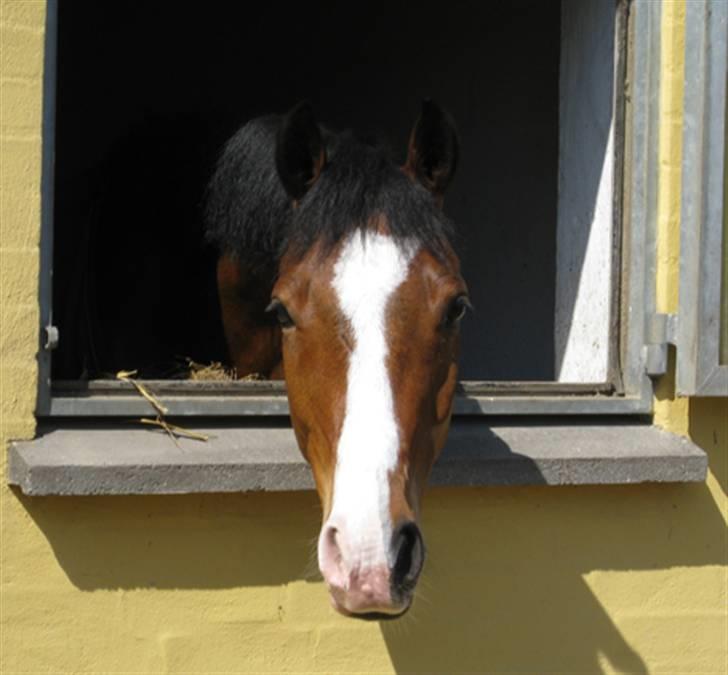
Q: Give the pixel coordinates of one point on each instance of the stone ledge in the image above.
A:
(115, 460)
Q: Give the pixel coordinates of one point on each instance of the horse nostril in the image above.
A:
(330, 556)
(409, 551)
(331, 534)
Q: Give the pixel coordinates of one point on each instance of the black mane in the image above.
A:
(249, 214)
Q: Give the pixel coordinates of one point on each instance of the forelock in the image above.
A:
(362, 189)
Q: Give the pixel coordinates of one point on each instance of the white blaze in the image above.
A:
(369, 270)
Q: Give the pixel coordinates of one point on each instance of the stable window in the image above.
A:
(553, 202)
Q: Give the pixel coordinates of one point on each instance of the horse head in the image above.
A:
(369, 324)
(367, 298)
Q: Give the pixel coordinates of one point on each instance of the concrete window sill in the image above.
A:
(92, 459)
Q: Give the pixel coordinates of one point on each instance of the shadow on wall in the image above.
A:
(504, 587)
(709, 429)
(208, 541)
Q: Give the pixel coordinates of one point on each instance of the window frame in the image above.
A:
(637, 40)
(699, 371)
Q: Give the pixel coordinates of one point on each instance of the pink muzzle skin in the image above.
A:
(367, 592)
(376, 589)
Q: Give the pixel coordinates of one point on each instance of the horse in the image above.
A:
(336, 272)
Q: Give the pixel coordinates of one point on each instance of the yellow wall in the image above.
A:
(537, 579)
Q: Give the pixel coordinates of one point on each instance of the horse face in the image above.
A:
(370, 333)
(370, 346)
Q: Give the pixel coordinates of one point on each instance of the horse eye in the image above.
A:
(456, 310)
(282, 315)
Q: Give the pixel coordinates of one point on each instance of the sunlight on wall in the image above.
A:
(670, 413)
(585, 192)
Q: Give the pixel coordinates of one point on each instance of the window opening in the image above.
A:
(138, 131)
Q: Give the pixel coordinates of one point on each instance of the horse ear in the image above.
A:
(434, 149)
(300, 151)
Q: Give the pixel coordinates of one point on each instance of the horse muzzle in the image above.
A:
(361, 584)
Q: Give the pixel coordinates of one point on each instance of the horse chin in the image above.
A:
(380, 614)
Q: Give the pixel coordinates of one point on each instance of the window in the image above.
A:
(554, 200)
(555, 203)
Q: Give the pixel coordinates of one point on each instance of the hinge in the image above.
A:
(51, 335)
(661, 332)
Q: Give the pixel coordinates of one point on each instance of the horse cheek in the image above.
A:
(443, 401)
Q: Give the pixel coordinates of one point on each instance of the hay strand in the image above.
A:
(127, 376)
(173, 431)
(209, 372)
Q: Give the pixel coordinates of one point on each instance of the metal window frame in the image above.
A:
(636, 119)
(699, 371)
(47, 337)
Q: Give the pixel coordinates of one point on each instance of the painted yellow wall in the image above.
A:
(529, 580)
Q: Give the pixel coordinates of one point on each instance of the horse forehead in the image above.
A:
(369, 268)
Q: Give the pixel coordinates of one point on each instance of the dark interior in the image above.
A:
(147, 93)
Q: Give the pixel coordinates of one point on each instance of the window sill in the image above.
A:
(92, 459)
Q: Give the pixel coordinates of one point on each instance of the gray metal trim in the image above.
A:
(615, 374)
(278, 387)
(701, 247)
(113, 398)
(45, 282)
(234, 405)
(640, 196)
(661, 331)
(114, 461)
